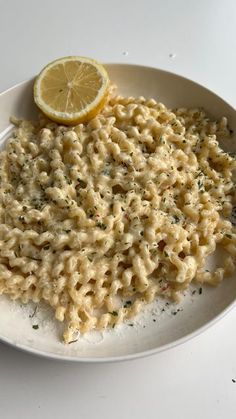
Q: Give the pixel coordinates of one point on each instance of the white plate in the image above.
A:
(158, 328)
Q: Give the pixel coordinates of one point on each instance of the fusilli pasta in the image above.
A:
(100, 218)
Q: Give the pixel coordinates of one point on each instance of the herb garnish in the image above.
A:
(82, 184)
(113, 313)
(200, 184)
(34, 312)
(127, 304)
(101, 225)
(176, 219)
(69, 181)
(73, 341)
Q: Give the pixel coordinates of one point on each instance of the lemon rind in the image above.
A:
(75, 116)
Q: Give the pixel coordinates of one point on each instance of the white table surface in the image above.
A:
(198, 40)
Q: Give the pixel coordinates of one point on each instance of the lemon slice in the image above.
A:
(71, 90)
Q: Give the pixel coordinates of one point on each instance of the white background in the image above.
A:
(196, 39)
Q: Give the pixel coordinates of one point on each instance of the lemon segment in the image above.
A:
(71, 90)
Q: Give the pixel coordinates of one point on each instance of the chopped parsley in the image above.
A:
(176, 218)
(176, 311)
(200, 184)
(90, 213)
(82, 184)
(113, 313)
(102, 226)
(73, 341)
(33, 314)
(69, 181)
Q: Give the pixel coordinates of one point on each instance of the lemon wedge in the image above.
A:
(71, 90)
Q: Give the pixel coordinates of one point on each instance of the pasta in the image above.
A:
(101, 218)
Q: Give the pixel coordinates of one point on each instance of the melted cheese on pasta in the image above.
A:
(126, 207)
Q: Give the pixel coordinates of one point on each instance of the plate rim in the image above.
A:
(120, 358)
(141, 354)
(117, 64)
